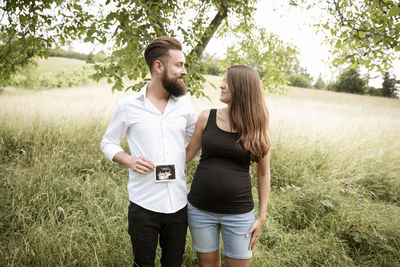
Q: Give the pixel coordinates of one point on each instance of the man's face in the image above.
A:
(174, 73)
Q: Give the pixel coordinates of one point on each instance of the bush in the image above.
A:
(370, 90)
(299, 81)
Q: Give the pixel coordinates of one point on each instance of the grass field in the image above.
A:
(54, 72)
(335, 197)
(53, 64)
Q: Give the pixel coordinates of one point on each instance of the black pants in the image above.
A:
(146, 227)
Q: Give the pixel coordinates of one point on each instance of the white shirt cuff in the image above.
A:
(111, 150)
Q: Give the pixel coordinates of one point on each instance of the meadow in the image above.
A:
(335, 198)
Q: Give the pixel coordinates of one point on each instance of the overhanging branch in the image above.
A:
(209, 32)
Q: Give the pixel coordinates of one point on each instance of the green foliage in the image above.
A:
(319, 84)
(29, 30)
(90, 58)
(266, 53)
(67, 54)
(299, 81)
(130, 26)
(389, 86)
(361, 33)
(373, 91)
(350, 81)
(211, 65)
(32, 79)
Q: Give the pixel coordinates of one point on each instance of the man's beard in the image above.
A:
(175, 87)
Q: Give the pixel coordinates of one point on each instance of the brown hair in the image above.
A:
(249, 114)
(158, 49)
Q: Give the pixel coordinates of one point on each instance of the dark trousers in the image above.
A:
(147, 227)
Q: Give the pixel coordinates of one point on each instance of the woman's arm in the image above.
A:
(195, 142)
(263, 181)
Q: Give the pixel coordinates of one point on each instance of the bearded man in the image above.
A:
(156, 121)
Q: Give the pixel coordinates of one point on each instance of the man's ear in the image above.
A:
(158, 67)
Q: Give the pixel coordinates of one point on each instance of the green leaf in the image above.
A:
(394, 11)
(361, 34)
(338, 44)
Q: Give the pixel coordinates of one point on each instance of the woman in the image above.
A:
(220, 199)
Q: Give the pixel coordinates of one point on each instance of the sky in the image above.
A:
(291, 24)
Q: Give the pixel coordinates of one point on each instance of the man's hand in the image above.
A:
(141, 165)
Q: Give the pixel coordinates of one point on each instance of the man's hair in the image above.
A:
(158, 49)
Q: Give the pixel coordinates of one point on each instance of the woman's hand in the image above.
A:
(255, 231)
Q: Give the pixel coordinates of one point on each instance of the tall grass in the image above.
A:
(334, 200)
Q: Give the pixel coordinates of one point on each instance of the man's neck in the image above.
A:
(155, 90)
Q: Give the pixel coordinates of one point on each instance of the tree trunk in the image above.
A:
(212, 28)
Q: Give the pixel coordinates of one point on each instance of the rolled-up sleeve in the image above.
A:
(116, 130)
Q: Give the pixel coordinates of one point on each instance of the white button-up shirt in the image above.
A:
(158, 137)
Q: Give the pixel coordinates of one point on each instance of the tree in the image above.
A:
(270, 56)
(389, 86)
(362, 33)
(319, 84)
(350, 81)
(29, 29)
(128, 25)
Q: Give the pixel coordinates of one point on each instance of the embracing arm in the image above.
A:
(264, 187)
(195, 142)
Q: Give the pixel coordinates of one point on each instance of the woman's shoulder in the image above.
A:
(205, 113)
(203, 117)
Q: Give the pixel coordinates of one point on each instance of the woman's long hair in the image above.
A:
(249, 114)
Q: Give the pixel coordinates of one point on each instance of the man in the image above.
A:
(156, 121)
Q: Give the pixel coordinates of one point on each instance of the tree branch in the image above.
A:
(149, 11)
(209, 32)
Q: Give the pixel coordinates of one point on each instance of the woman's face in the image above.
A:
(226, 96)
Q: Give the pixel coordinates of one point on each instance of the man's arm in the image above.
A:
(140, 165)
(111, 144)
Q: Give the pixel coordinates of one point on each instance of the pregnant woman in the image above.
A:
(220, 199)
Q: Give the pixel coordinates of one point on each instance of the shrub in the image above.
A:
(299, 81)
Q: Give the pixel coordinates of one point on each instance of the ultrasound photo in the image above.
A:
(165, 173)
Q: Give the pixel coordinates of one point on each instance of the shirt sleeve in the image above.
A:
(116, 130)
(190, 123)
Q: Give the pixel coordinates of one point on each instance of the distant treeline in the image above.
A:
(89, 58)
(348, 81)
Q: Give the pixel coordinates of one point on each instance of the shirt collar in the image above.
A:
(142, 93)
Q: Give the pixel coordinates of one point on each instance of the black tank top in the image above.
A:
(221, 183)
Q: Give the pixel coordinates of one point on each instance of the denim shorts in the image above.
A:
(205, 228)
